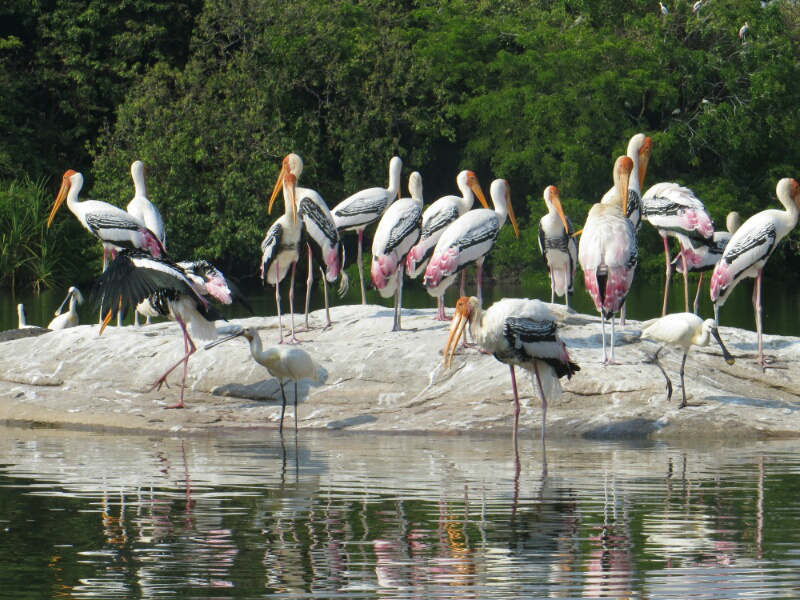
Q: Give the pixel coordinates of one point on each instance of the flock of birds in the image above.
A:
(438, 243)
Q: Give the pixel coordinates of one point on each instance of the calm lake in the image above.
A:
(343, 515)
(781, 303)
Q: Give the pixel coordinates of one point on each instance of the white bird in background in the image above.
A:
(469, 239)
(397, 232)
(113, 226)
(64, 320)
(750, 247)
(696, 6)
(22, 323)
(320, 227)
(682, 330)
(518, 332)
(699, 256)
(743, 31)
(363, 208)
(435, 220)
(144, 210)
(558, 246)
(283, 363)
(608, 252)
(664, 10)
(674, 210)
(280, 248)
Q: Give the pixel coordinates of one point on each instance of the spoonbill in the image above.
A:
(682, 330)
(363, 208)
(749, 249)
(558, 246)
(397, 232)
(281, 362)
(64, 320)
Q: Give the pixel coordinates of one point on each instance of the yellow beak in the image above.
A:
(457, 327)
(62, 195)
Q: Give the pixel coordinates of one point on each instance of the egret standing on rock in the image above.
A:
(518, 332)
(608, 253)
(282, 363)
(397, 232)
(64, 320)
(558, 246)
(469, 239)
(682, 330)
(749, 249)
(363, 208)
(435, 220)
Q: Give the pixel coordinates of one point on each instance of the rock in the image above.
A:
(393, 381)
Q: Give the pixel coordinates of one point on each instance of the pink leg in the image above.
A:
(278, 303)
(294, 340)
(440, 316)
(685, 282)
(189, 349)
(669, 275)
(757, 309)
(361, 266)
(309, 283)
(697, 293)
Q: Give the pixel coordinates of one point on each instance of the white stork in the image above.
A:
(517, 331)
(682, 330)
(608, 253)
(558, 246)
(699, 256)
(113, 226)
(436, 218)
(134, 276)
(363, 208)
(469, 239)
(64, 320)
(280, 248)
(281, 362)
(397, 232)
(639, 149)
(674, 210)
(750, 247)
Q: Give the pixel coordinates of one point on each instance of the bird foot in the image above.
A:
(442, 318)
(158, 383)
(178, 405)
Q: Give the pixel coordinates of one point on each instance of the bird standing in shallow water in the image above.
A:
(282, 362)
(682, 330)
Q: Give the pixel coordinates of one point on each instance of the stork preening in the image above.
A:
(469, 239)
(280, 248)
(558, 246)
(363, 208)
(282, 362)
(64, 320)
(675, 211)
(397, 232)
(134, 276)
(682, 330)
(639, 149)
(435, 220)
(749, 249)
(520, 332)
(608, 252)
(699, 256)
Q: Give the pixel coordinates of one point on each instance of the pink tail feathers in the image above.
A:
(617, 284)
(441, 266)
(383, 267)
(412, 260)
(721, 278)
(699, 221)
(332, 264)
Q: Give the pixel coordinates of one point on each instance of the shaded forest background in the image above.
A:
(212, 94)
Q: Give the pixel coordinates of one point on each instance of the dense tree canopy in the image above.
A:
(211, 96)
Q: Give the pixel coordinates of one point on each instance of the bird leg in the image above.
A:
(716, 315)
(361, 266)
(283, 407)
(440, 315)
(189, 349)
(683, 385)
(462, 289)
(552, 288)
(757, 310)
(622, 313)
(613, 334)
(697, 293)
(295, 408)
(278, 303)
(685, 282)
(479, 276)
(669, 275)
(293, 339)
(516, 411)
(654, 360)
(309, 283)
(544, 414)
(603, 334)
(325, 295)
(398, 301)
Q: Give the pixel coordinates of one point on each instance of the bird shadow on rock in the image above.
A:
(267, 391)
(595, 340)
(755, 402)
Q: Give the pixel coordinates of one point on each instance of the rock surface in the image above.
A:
(384, 381)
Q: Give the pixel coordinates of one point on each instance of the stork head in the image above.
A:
(622, 171)
(291, 167)
(71, 179)
(788, 189)
(552, 199)
(475, 186)
(510, 209)
(644, 158)
(467, 309)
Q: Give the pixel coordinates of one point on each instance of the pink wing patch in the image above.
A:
(441, 266)
(697, 220)
(332, 263)
(617, 286)
(383, 267)
(218, 288)
(413, 256)
(721, 278)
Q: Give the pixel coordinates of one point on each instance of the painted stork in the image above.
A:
(558, 246)
(134, 276)
(517, 331)
(320, 229)
(608, 253)
(363, 208)
(64, 320)
(398, 230)
(469, 239)
(282, 362)
(749, 249)
(698, 256)
(743, 31)
(639, 149)
(435, 219)
(682, 330)
(113, 226)
(674, 210)
(664, 9)
(280, 248)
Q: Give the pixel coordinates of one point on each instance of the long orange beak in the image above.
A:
(459, 323)
(277, 188)
(622, 171)
(62, 195)
(555, 200)
(473, 184)
(290, 185)
(510, 208)
(644, 158)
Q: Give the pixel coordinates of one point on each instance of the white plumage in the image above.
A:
(639, 149)
(141, 207)
(64, 320)
(558, 245)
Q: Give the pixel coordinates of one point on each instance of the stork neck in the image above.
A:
(467, 195)
(395, 167)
